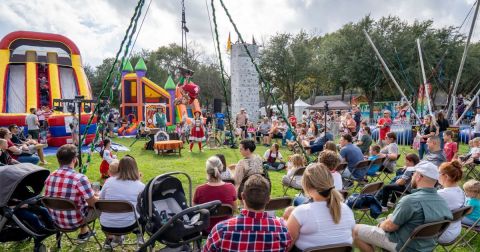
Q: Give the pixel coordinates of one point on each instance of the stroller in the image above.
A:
(166, 216)
(21, 215)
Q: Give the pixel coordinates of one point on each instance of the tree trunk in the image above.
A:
(371, 99)
(343, 92)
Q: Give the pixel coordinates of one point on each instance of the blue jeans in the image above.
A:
(422, 150)
(299, 200)
(442, 142)
(33, 159)
(469, 221)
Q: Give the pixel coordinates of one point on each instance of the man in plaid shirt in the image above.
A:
(253, 229)
(66, 183)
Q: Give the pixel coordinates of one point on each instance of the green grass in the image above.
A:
(152, 165)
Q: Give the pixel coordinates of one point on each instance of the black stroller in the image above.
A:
(167, 217)
(21, 215)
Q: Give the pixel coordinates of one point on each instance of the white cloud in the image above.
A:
(97, 27)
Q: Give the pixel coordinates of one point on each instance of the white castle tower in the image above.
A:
(244, 81)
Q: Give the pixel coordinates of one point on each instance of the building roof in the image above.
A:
(321, 98)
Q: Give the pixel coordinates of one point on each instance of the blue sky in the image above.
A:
(97, 27)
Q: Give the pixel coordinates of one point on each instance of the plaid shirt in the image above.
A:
(66, 183)
(249, 231)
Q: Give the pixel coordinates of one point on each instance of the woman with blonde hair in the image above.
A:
(215, 189)
(125, 185)
(295, 162)
(326, 220)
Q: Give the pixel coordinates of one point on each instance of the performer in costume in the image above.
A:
(160, 120)
(197, 133)
(188, 90)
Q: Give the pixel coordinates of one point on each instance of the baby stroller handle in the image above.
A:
(29, 201)
(209, 206)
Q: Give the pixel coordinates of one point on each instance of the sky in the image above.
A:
(97, 27)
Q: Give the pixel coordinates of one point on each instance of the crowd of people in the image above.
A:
(427, 189)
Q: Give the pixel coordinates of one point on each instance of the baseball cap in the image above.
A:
(427, 169)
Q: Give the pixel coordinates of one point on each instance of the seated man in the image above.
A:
(352, 155)
(251, 164)
(27, 145)
(252, 229)
(435, 153)
(424, 205)
(317, 144)
(66, 183)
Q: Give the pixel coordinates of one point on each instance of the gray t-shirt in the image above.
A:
(30, 120)
(264, 128)
(435, 157)
(390, 149)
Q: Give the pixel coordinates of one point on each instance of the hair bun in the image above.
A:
(456, 164)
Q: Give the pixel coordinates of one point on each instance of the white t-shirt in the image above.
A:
(476, 128)
(115, 189)
(337, 180)
(455, 198)
(317, 227)
(274, 155)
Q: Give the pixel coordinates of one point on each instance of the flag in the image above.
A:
(229, 44)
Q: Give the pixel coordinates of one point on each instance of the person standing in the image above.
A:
(427, 129)
(33, 124)
(160, 120)
(442, 127)
(293, 120)
(384, 125)
(476, 123)
(241, 122)
(357, 116)
(197, 133)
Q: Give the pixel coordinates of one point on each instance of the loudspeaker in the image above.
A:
(217, 105)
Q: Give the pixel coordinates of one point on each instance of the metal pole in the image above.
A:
(390, 74)
(425, 86)
(468, 107)
(78, 100)
(462, 62)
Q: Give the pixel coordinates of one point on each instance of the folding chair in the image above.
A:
(342, 247)
(341, 168)
(278, 203)
(286, 186)
(368, 189)
(471, 172)
(466, 242)
(361, 166)
(458, 214)
(379, 162)
(224, 210)
(120, 206)
(60, 204)
(427, 231)
(385, 171)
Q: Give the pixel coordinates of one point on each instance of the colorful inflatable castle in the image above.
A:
(141, 98)
(35, 69)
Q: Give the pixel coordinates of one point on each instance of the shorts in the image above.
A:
(34, 133)
(375, 236)
(278, 135)
(120, 230)
(110, 126)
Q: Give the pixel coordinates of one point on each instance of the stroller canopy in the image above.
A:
(19, 177)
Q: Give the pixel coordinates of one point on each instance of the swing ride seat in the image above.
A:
(168, 147)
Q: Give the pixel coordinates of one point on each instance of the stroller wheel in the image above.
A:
(40, 248)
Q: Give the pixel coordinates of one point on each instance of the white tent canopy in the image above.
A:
(300, 106)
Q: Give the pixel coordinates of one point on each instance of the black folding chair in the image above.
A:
(457, 214)
(362, 167)
(286, 186)
(427, 231)
(342, 247)
(463, 241)
(368, 189)
(379, 162)
(278, 203)
(59, 204)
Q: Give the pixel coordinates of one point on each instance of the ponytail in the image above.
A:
(334, 203)
(214, 168)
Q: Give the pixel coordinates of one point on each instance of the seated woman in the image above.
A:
(295, 162)
(251, 131)
(125, 185)
(15, 152)
(390, 151)
(326, 220)
(365, 140)
(450, 174)
(273, 158)
(215, 189)
(400, 183)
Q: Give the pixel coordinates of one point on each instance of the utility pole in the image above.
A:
(453, 104)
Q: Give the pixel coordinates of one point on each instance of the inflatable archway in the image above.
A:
(35, 69)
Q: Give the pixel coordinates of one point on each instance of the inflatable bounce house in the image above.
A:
(141, 98)
(35, 69)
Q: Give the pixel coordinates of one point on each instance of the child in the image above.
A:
(251, 131)
(472, 191)
(107, 157)
(5, 158)
(113, 168)
(450, 148)
(271, 156)
(295, 162)
(474, 156)
(331, 160)
(226, 174)
(374, 152)
(74, 128)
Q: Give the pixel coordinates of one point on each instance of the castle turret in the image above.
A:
(171, 88)
(140, 68)
(127, 68)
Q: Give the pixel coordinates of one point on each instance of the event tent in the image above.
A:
(332, 105)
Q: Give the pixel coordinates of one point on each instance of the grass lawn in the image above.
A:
(152, 165)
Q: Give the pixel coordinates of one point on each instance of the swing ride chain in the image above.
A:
(133, 22)
(262, 80)
(232, 141)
